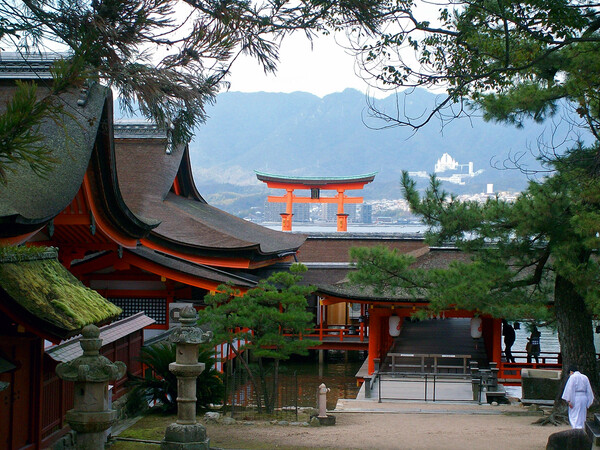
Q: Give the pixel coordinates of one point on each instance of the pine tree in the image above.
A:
(512, 62)
(259, 319)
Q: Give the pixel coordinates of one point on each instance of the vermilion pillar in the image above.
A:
(342, 222)
(497, 340)
(286, 222)
(286, 217)
(342, 218)
(374, 339)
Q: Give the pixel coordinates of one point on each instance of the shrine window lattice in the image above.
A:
(155, 308)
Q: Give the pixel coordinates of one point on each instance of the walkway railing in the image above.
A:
(512, 371)
(429, 362)
(338, 332)
(460, 391)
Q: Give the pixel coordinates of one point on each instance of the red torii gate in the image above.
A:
(315, 185)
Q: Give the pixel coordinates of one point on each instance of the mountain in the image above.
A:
(301, 134)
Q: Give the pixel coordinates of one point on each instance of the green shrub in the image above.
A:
(160, 385)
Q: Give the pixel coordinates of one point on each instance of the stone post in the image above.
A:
(91, 416)
(186, 433)
(323, 390)
(322, 418)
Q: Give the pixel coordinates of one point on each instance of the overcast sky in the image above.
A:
(322, 70)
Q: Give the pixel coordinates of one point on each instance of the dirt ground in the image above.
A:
(414, 427)
(392, 431)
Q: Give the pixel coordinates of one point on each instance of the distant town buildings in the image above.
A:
(301, 211)
(366, 213)
(305, 212)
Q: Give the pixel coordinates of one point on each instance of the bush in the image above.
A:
(160, 385)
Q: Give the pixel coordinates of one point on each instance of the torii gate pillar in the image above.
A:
(286, 217)
(286, 221)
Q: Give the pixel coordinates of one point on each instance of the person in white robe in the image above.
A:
(579, 396)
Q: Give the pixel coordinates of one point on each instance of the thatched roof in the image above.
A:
(37, 292)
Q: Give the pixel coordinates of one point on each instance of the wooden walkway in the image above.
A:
(438, 353)
(436, 337)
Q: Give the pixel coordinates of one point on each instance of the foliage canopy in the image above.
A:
(532, 259)
(513, 61)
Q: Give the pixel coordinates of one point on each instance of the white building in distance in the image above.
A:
(447, 164)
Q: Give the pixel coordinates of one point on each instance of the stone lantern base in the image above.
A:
(185, 437)
(326, 421)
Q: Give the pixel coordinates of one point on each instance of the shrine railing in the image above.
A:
(545, 360)
(338, 332)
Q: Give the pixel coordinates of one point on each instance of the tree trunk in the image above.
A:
(575, 335)
(239, 356)
(265, 388)
(275, 382)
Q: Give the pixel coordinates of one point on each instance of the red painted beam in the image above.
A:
(283, 199)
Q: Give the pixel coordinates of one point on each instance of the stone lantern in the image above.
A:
(187, 433)
(91, 416)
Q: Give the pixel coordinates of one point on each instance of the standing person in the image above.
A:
(509, 339)
(579, 396)
(533, 345)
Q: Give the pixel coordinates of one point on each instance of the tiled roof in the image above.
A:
(335, 247)
(35, 67)
(69, 350)
(137, 130)
(316, 275)
(27, 201)
(315, 181)
(435, 258)
(146, 172)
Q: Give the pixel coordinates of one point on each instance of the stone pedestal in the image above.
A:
(91, 416)
(186, 433)
(540, 384)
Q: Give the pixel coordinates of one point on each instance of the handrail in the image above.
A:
(340, 331)
(436, 378)
(435, 356)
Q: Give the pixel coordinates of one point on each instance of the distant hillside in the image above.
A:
(301, 134)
